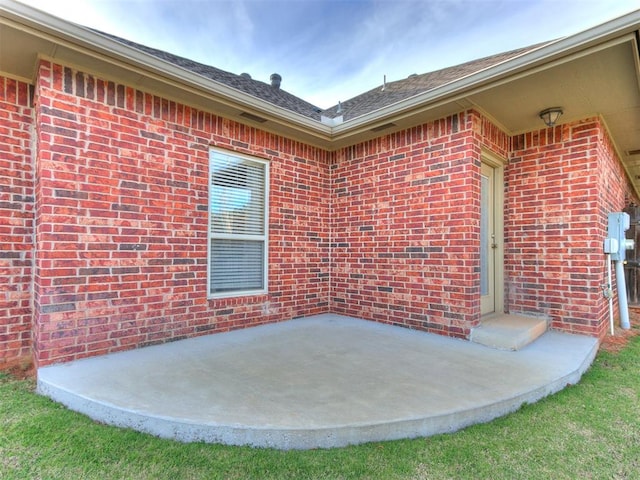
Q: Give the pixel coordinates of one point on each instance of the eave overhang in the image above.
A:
(593, 73)
(27, 34)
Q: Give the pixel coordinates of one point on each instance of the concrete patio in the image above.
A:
(318, 382)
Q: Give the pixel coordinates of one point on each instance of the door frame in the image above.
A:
(494, 161)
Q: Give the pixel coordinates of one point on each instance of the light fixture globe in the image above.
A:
(550, 115)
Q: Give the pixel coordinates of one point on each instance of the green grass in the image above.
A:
(588, 431)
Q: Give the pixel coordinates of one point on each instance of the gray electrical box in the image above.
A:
(616, 244)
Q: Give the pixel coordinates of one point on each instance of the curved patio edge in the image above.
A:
(68, 384)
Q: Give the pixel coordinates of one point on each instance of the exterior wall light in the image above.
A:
(550, 115)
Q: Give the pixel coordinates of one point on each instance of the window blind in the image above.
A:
(237, 224)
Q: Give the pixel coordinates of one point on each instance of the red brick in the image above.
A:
(143, 207)
(17, 220)
(385, 230)
(582, 187)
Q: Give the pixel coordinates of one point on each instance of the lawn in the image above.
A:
(590, 430)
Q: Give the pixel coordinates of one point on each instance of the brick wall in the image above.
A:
(385, 230)
(122, 220)
(16, 220)
(406, 226)
(561, 183)
(616, 190)
(616, 193)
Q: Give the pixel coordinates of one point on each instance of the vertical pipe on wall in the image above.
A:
(622, 296)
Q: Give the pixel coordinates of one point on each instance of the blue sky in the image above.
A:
(331, 50)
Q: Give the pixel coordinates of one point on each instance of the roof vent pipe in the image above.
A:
(276, 79)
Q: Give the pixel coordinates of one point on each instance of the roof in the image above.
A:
(595, 72)
(243, 82)
(370, 101)
(393, 92)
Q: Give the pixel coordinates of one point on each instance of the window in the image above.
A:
(238, 206)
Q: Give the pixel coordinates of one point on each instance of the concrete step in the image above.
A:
(508, 332)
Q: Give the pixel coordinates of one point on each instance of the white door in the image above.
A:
(488, 240)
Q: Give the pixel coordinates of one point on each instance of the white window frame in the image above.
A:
(211, 235)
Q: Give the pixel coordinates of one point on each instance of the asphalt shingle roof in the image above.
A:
(243, 83)
(367, 102)
(399, 90)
